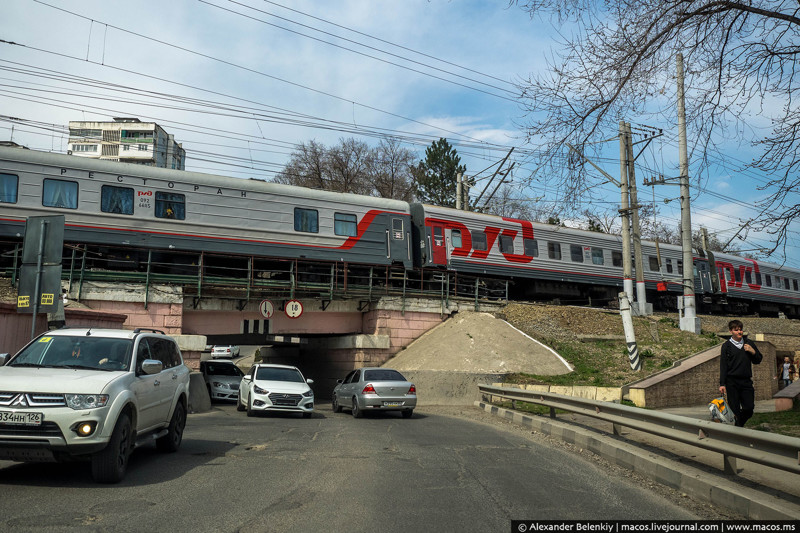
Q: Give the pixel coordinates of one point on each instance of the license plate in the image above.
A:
(22, 419)
(392, 404)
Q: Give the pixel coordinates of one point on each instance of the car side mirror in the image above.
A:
(339, 381)
(310, 381)
(151, 366)
(3, 357)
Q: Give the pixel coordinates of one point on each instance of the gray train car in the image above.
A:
(119, 204)
(570, 263)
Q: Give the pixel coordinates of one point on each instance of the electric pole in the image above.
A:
(689, 320)
(641, 294)
(627, 280)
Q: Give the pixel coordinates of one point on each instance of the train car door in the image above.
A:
(438, 244)
(704, 276)
(397, 241)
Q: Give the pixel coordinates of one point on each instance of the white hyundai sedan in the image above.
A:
(275, 388)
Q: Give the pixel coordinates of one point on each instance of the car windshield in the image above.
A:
(279, 374)
(383, 374)
(95, 353)
(223, 370)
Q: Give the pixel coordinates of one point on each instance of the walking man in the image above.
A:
(736, 372)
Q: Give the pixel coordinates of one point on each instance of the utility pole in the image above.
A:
(689, 320)
(627, 280)
(641, 306)
(459, 190)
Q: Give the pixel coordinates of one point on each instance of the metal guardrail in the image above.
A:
(777, 451)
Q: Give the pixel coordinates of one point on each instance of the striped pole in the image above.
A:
(630, 337)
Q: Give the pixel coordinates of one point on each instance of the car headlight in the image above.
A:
(86, 401)
(259, 390)
(220, 385)
(309, 394)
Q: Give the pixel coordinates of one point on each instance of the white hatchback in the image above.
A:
(275, 388)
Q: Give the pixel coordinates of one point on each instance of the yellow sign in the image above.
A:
(45, 339)
(23, 301)
(47, 299)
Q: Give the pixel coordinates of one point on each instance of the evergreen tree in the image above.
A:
(435, 176)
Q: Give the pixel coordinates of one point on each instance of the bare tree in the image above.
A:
(307, 167)
(505, 204)
(348, 164)
(390, 173)
(617, 59)
(352, 166)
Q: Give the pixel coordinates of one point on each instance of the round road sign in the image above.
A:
(266, 308)
(293, 308)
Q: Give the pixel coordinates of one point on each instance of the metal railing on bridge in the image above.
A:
(251, 278)
(777, 451)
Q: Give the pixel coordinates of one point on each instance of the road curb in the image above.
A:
(703, 486)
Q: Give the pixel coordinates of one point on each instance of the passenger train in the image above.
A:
(107, 203)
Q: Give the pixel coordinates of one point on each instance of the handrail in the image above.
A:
(770, 449)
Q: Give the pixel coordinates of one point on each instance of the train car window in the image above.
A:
(597, 256)
(786, 283)
(170, 205)
(479, 241)
(616, 258)
(116, 200)
(794, 282)
(737, 276)
(653, 263)
(554, 250)
(344, 224)
(60, 193)
(531, 247)
(506, 244)
(669, 266)
(680, 267)
(397, 229)
(769, 280)
(748, 277)
(758, 278)
(8, 188)
(576, 253)
(455, 238)
(306, 220)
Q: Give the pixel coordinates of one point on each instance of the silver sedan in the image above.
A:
(374, 389)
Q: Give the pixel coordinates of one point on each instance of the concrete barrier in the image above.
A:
(199, 401)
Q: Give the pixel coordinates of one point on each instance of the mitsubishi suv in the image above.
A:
(92, 394)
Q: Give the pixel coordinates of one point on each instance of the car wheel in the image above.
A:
(407, 414)
(336, 407)
(250, 411)
(110, 463)
(172, 440)
(357, 413)
(239, 405)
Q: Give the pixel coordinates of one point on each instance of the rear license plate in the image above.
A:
(21, 419)
(392, 404)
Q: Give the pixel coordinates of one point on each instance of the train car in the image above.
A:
(140, 208)
(119, 204)
(570, 264)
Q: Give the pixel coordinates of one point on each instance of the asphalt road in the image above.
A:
(330, 473)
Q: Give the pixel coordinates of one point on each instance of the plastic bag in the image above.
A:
(720, 412)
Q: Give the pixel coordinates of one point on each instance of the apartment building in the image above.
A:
(128, 140)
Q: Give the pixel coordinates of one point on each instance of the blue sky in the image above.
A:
(451, 76)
